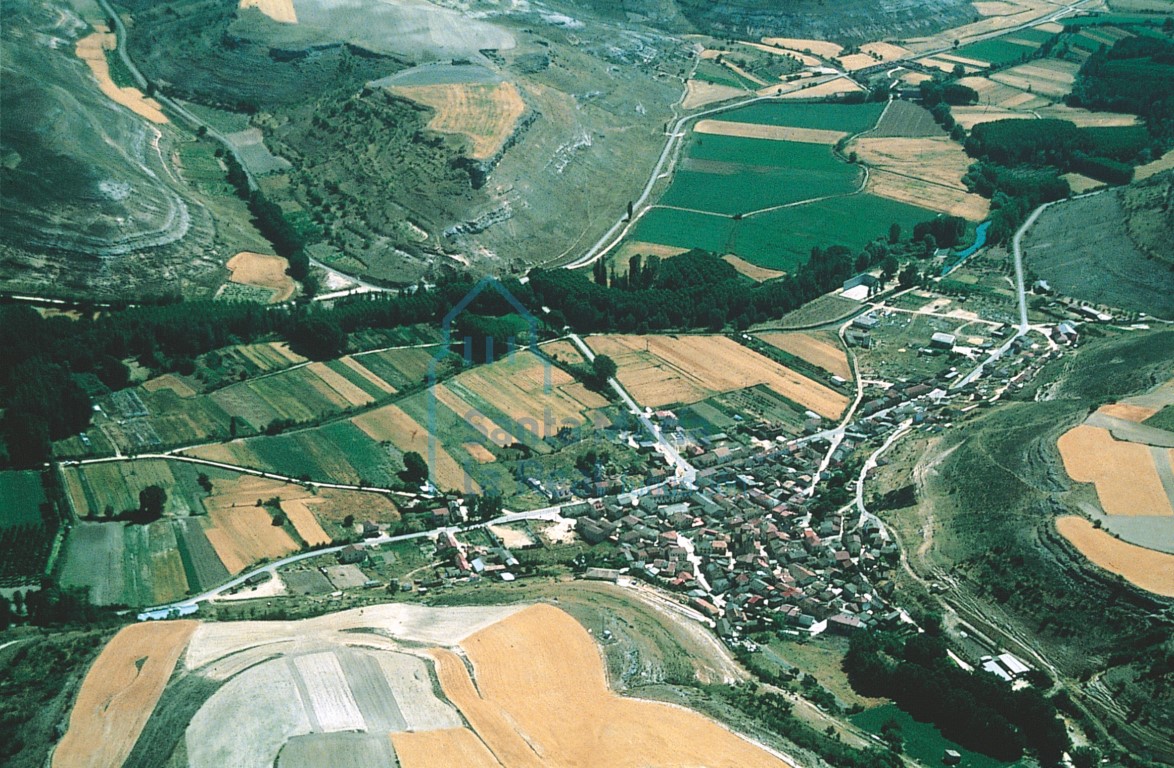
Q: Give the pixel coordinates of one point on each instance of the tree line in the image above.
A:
(977, 710)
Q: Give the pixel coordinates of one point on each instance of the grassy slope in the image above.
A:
(993, 500)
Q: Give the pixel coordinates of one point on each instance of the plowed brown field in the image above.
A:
(120, 692)
(771, 132)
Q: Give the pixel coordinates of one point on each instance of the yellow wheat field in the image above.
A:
(1150, 570)
(1126, 479)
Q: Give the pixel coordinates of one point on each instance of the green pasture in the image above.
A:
(850, 118)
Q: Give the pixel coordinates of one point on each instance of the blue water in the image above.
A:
(957, 258)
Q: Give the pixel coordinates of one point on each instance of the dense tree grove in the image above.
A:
(1136, 76)
(693, 290)
(977, 710)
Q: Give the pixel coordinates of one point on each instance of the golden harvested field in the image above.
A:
(1004, 16)
(299, 512)
(772, 132)
(243, 535)
(829, 88)
(1080, 183)
(923, 171)
(483, 113)
(820, 349)
(262, 271)
(479, 452)
(120, 692)
(1002, 96)
(390, 423)
(948, 66)
(887, 51)
(1163, 163)
(752, 271)
(541, 698)
(172, 382)
(968, 117)
(631, 248)
(92, 50)
(270, 356)
(996, 8)
(442, 749)
(339, 385)
(241, 532)
(1125, 476)
(817, 47)
(278, 10)
(1052, 77)
(562, 350)
(855, 61)
(1150, 570)
(1085, 119)
(663, 370)
(517, 387)
(804, 59)
(699, 93)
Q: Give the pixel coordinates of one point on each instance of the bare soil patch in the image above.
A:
(1136, 413)
(119, 693)
(772, 132)
(485, 114)
(263, 271)
(92, 50)
(1125, 475)
(1150, 570)
(752, 271)
(1081, 184)
(279, 10)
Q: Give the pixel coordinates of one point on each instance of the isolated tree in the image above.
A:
(151, 501)
(889, 267)
(908, 277)
(931, 244)
(603, 367)
(415, 468)
(348, 521)
(894, 233)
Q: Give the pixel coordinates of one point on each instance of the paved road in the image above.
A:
(685, 471)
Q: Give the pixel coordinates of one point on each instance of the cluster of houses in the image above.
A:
(462, 561)
(746, 550)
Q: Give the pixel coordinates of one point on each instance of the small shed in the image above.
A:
(942, 340)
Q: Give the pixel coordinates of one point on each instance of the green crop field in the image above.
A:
(351, 375)
(923, 741)
(684, 229)
(1034, 35)
(21, 496)
(726, 174)
(850, 118)
(116, 485)
(712, 72)
(995, 51)
(783, 239)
